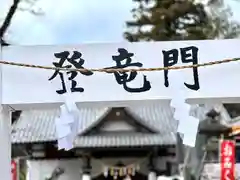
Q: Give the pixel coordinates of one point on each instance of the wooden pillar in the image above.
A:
(5, 140)
(179, 149)
(86, 167)
(152, 165)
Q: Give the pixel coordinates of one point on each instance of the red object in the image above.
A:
(227, 159)
(14, 170)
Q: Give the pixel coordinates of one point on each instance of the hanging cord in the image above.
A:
(112, 70)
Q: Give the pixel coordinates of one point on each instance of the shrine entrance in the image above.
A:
(121, 172)
(137, 176)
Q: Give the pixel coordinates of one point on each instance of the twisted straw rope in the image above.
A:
(112, 70)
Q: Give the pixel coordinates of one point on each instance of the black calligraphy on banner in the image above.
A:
(76, 61)
(123, 60)
(188, 55)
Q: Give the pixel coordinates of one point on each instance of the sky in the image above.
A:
(74, 21)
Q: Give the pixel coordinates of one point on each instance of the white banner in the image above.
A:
(24, 86)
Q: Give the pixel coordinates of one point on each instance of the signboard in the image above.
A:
(22, 86)
(227, 159)
(14, 170)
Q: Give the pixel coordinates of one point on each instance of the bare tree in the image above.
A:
(7, 21)
(10, 14)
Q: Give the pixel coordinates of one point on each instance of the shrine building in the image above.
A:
(137, 142)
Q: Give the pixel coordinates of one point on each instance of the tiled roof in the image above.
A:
(136, 139)
(235, 121)
(38, 125)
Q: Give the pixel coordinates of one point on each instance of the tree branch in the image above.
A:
(7, 21)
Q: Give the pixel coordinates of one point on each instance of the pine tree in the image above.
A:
(168, 20)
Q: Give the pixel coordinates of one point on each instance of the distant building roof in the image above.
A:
(38, 126)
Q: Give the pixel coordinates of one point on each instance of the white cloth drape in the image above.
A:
(86, 177)
(152, 176)
(170, 177)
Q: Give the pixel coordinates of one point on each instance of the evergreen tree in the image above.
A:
(163, 20)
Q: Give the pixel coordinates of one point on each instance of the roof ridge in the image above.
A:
(97, 120)
(140, 120)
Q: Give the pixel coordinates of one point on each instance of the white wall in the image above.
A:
(117, 125)
(38, 170)
(211, 171)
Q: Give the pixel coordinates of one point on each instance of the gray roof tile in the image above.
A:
(234, 122)
(159, 118)
(38, 125)
(125, 140)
